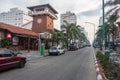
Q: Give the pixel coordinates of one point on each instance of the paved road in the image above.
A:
(74, 65)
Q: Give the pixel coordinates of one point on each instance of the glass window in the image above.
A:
(7, 53)
(53, 48)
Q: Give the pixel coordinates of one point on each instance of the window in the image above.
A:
(7, 53)
(40, 9)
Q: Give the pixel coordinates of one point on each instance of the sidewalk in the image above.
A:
(33, 54)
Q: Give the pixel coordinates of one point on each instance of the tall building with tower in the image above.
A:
(43, 16)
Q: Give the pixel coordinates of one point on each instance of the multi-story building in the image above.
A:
(69, 17)
(15, 17)
(83, 31)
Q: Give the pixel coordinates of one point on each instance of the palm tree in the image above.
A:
(112, 25)
(115, 7)
(110, 29)
(72, 32)
(118, 23)
(98, 39)
(57, 37)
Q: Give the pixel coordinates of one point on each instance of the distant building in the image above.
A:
(83, 31)
(69, 17)
(15, 17)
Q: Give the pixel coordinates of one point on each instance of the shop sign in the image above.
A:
(9, 35)
(15, 40)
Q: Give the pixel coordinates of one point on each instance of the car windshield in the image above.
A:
(5, 53)
(53, 48)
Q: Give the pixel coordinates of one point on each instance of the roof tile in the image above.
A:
(18, 30)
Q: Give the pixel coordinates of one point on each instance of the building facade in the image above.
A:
(17, 38)
(69, 17)
(15, 17)
(83, 31)
(43, 16)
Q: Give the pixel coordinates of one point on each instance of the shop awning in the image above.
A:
(18, 30)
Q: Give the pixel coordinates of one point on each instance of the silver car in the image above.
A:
(56, 50)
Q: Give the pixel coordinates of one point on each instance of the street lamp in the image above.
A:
(103, 25)
(94, 27)
(39, 41)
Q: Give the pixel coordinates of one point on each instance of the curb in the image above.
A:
(99, 70)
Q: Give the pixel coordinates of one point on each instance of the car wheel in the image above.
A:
(49, 54)
(21, 64)
(63, 52)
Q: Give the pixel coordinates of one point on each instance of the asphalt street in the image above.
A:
(74, 65)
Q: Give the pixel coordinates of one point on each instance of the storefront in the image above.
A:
(19, 38)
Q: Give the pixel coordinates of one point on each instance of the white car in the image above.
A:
(56, 50)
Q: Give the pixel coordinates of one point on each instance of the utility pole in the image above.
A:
(103, 26)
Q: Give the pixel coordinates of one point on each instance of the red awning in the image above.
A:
(18, 30)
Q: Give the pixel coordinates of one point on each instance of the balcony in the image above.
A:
(41, 13)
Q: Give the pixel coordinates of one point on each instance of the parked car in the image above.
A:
(56, 50)
(73, 47)
(10, 59)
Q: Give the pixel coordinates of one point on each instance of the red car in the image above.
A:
(9, 59)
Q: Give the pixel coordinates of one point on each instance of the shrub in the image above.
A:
(5, 42)
(111, 69)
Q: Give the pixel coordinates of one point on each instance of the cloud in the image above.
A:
(90, 13)
(60, 5)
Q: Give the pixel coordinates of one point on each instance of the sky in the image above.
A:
(86, 10)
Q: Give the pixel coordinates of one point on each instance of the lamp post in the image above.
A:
(94, 27)
(103, 25)
(39, 41)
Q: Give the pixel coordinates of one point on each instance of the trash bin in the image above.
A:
(42, 49)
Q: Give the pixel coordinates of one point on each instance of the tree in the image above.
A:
(110, 29)
(57, 36)
(118, 23)
(115, 7)
(98, 39)
(112, 25)
(5, 42)
(72, 32)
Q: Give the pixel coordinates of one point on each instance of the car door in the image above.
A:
(3, 63)
(12, 60)
(62, 50)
